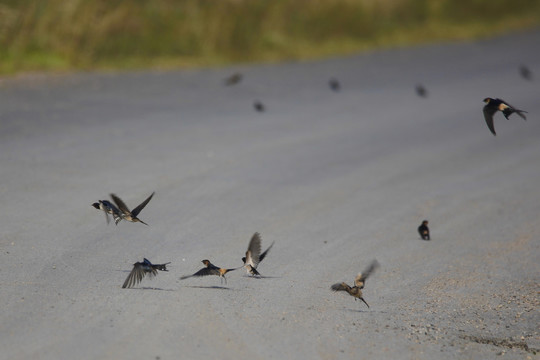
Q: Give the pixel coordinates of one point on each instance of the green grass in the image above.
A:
(58, 35)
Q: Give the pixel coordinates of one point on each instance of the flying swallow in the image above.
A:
(108, 208)
(140, 270)
(494, 105)
(126, 213)
(421, 91)
(253, 255)
(211, 269)
(334, 84)
(233, 79)
(423, 230)
(359, 283)
(259, 106)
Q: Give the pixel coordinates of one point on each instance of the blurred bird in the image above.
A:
(525, 72)
(211, 269)
(131, 215)
(233, 79)
(421, 91)
(140, 270)
(334, 84)
(253, 255)
(359, 283)
(108, 208)
(423, 230)
(494, 105)
(259, 106)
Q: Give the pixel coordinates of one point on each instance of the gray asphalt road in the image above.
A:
(334, 179)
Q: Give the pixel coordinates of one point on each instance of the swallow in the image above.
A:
(423, 230)
(253, 255)
(140, 270)
(108, 208)
(211, 269)
(233, 79)
(334, 84)
(131, 215)
(421, 91)
(359, 283)
(525, 72)
(494, 105)
(259, 106)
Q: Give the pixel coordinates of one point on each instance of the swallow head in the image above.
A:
(244, 259)
(487, 100)
(96, 205)
(206, 262)
(425, 222)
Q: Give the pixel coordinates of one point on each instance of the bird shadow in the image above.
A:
(150, 288)
(208, 287)
(367, 310)
(262, 277)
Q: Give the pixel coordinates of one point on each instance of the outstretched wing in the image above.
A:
(120, 204)
(141, 206)
(361, 278)
(340, 287)
(254, 250)
(135, 276)
(263, 255)
(489, 111)
(203, 272)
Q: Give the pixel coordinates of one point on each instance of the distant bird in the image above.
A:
(140, 270)
(525, 72)
(131, 215)
(494, 105)
(423, 230)
(253, 255)
(359, 283)
(211, 269)
(233, 79)
(421, 91)
(259, 106)
(334, 84)
(108, 208)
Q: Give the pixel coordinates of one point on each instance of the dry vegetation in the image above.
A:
(87, 34)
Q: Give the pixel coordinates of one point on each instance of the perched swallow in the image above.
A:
(423, 230)
(141, 269)
(253, 255)
(108, 208)
(233, 79)
(494, 105)
(525, 72)
(359, 283)
(334, 84)
(421, 91)
(259, 106)
(211, 269)
(131, 215)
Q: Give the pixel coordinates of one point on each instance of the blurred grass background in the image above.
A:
(44, 35)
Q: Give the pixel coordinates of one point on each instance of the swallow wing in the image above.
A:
(120, 204)
(135, 276)
(340, 287)
(489, 111)
(254, 250)
(138, 209)
(203, 272)
(361, 278)
(106, 217)
(263, 255)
